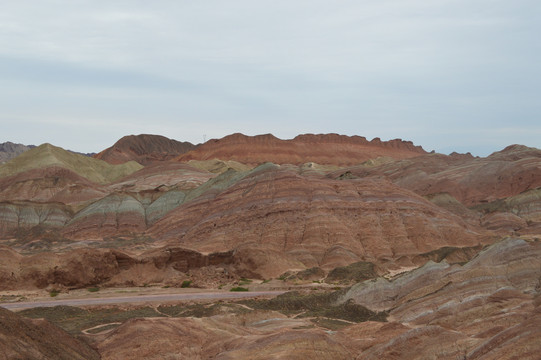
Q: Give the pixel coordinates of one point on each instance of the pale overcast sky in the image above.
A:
(449, 75)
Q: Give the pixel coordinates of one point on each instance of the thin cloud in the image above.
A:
(390, 68)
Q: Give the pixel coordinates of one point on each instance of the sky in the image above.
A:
(449, 75)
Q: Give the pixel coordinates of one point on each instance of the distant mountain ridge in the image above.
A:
(327, 149)
(9, 150)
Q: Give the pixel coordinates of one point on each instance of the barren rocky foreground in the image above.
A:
(384, 250)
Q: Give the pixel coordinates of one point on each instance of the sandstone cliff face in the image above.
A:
(312, 221)
(322, 149)
(85, 267)
(144, 149)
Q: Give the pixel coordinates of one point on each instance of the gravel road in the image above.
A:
(138, 299)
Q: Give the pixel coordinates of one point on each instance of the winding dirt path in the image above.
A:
(139, 299)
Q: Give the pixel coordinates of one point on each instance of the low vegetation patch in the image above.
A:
(186, 284)
(450, 253)
(353, 273)
(318, 305)
(239, 288)
(244, 281)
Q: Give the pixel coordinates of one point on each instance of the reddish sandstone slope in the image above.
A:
(485, 309)
(322, 149)
(22, 338)
(144, 149)
(275, 213)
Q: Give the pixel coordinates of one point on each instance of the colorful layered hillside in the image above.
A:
(144, 149)
(470, 180)
(275, 212)
(327, 149)
(273, 218)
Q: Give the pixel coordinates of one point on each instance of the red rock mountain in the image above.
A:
(144, 149)
(387, 212)
(328, 149)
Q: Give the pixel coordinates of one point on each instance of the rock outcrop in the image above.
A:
(144, 149)
(85, 267)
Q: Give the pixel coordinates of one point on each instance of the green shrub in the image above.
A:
(238, 288)
(244, 281)
(186, 284)
(53, 293)
(93, 289)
